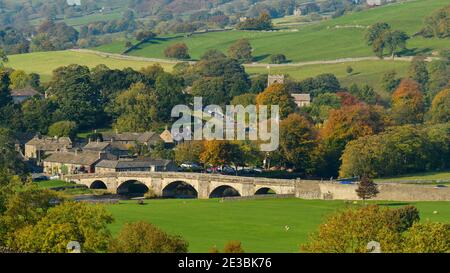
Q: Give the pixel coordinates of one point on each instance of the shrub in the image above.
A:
(142, 237)
(233, 247)
(278, 59)
(177, 51)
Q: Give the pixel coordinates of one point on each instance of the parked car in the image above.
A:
(55, 177)
(40, 178)
(440, 186)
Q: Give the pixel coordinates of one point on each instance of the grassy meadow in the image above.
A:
(259, 224)
(342, 37)
(44, 63)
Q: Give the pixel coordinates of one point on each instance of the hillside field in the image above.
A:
(44, 63)
(327, 40)
(259, 224)
(365, 72)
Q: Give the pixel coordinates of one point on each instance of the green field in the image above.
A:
(321, 41)
(44, 63)
(258, 224)
(364, 72)
(428, 176)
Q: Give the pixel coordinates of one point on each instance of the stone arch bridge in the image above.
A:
(214, 185)
(205, 185)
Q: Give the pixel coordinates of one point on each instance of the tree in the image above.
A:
(241, 51)
(63, 129)
(25, 207)
(3, 57)
(349, 70)
(437, 24)
(135, 109)
(277, 94)
(440, 107)
(220, 152)
(233, 247)
(244, 100)
(76, 95)
(297, 140)
(168, 93)
(367, 189)
(19, 79)
(323, 83)
(144, 35)
(5, 95)
(399, 150)
(407, 103)
(278, 59)
(438, 80)
(343, 125)
(365, 93)
(395, 40)
(212, 90)
(397, 231)
(375, 37)
(10, 163)
(177, 51)
(142, 237)
(390, 81)
(70, 221)
(263, 22)
(322, 105)
(427, 238)
(213, 54)
(189, 152)
(418, 72)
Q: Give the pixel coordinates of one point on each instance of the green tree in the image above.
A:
(142, 237)
(375, 37)
(188, 152)
(440, 108)
(427, 238)
(77, 97)
(437, 24)
(244, 100)
(70, 221)
(5, 94)
(390, 81)
(212, 90)
(177, 51)
(395, 40)
(3, 57)
(439, 80)
(278, 59)
(418, 71)
(241, 50)
(19, 79)
(63, 129)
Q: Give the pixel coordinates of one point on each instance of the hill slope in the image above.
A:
(332, 39)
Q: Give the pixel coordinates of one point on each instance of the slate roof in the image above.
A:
(130, 137)
(49, 143)
(96, 146)
(24, 92)
(80, 158)
(135, 163)
(301, 97)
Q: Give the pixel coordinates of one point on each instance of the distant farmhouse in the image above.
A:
(74, 2)
(21, 95)
(272, 79)
(302, 100)
(377, 2)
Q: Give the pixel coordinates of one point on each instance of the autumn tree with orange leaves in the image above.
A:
(297, 140)
(277, 94)
(408, 103)
(343, 125)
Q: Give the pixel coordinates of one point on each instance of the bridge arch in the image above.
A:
(179, 189)
(132, 188)
(265, 190)
(98, 184)
(224, 191)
